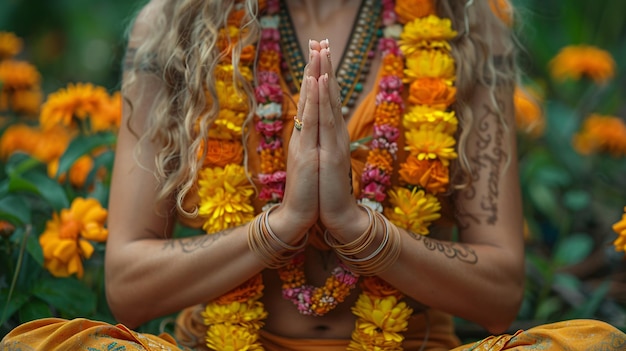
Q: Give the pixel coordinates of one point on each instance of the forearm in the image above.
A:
(151, 277)
(478, 282)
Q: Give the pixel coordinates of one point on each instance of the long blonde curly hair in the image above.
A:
(182, 50)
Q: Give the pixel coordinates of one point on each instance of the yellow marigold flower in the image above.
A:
(65, 241)
(224, 197)
(272, 160)
(385, 316)
(17, 137)
(76, 101)
(412, 210)
(16, 75)
(429, 64)
(620, 229)
(576, 61)
(434, 92)
(10, 45)
(529, 117)
(249, 313)
(227, 337)
(230, 97)
(426, 144)
(227, 126)
(601, 134)
(423, 117)
(427, 32)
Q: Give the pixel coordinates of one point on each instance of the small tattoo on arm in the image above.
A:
(192, 244)
(450, 249)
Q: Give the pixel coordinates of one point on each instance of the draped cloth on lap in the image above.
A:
(54, 334)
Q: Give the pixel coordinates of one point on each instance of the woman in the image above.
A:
(326, 194)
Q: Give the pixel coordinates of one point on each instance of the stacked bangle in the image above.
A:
(269, 248)
(381, 258)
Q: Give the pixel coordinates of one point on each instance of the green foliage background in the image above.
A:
(570, 201)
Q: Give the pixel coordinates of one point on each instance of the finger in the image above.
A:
(311, 70)
(326, 66)
(327, 122)
(310, 119)
(324, 44)
(315, 45)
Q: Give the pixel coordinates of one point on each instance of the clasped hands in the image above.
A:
(318, 187)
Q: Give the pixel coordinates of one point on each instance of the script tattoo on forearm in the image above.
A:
(450, 249)
(488, 160)
(191, 244)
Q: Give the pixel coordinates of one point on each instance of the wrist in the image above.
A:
(286, 225)
(352, 223)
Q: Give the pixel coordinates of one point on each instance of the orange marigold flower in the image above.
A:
(269, 60)
(434, 92)
(42, 145)
(393, 65)
(387, 113)
(381, 159)
(78, 101)
(376, 287)
(431, 175)
(576, 61)
(503, 10)
(272, 160)
(249, 290)
(529, 117)
(620, 229)
(16, 75)
(412, 210)
(223, 152)
(110, 115)
(10, 45)
(601, 134)
(26, 101)
(409, 10)
(65, 241)
(429, 64)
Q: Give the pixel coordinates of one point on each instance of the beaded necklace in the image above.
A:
(355, 61)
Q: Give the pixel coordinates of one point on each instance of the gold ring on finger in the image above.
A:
(297, 123)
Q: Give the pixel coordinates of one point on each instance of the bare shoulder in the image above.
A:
(150, 15)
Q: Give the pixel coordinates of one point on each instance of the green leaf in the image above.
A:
(68, 295)
(15, 210)
(49, 189)
(567, 281)
(548, 308)
(17, 184)
(543, 199)
(9, 307)
(34, 309)
(573, 249)
(576, 200)
(34, 248)
(83, 145)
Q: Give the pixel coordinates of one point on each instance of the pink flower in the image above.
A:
(268, 93)
(390, 83)
(270, 34)
(388, 46)
(375, 190)
(276, 177)
(271, 144)
(386, 131)
(269, 129)
(392, 96)
(268, 77)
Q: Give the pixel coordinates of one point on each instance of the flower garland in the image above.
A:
(417, 55)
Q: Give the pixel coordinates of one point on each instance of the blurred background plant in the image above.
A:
(60, 65)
